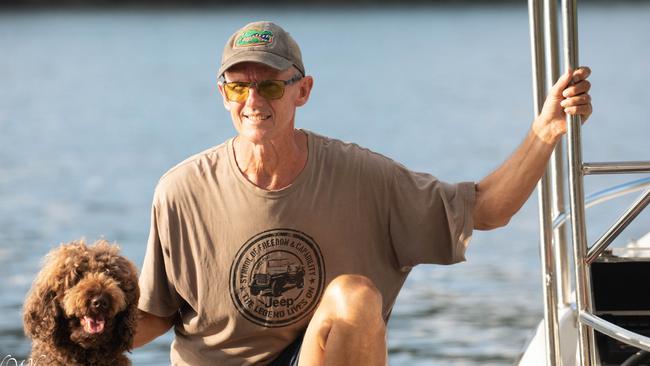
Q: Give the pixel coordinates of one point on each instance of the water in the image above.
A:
(96, 105)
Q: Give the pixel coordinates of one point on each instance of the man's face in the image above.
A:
(258, 119)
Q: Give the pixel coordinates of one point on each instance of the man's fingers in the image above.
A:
(577, 76)
(579, 88)
(583, 110)
(581, 73)
(576, 101)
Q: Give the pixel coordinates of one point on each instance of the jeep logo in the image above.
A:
(277, 277)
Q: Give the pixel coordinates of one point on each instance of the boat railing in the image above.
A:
(553, 242)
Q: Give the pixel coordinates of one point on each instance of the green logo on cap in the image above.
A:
(254, 37)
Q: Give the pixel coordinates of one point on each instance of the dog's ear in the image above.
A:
(127, 322)
(62, 269)
(41, 312)
(128, 278)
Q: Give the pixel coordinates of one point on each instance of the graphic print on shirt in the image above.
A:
(277, 277)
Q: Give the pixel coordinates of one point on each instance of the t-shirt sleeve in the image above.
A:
(430, 220)
(157, 292)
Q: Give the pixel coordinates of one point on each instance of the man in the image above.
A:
(284, 247)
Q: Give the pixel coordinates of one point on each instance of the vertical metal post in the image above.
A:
(586, 344)
(557, 167)
(549, 282)
(560, 234)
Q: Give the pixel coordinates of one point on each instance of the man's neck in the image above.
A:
(273, 164)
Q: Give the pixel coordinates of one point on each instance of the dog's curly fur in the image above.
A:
(82, 307)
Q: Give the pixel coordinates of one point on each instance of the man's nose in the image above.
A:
(254, 97)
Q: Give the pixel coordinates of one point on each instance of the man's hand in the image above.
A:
(570, 94)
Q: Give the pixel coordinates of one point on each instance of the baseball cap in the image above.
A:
(263, 42)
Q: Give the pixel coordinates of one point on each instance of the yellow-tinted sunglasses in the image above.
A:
(237, 91)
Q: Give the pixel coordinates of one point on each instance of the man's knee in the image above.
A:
(354, 295)
(348, 326)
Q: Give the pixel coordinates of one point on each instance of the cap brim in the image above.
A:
(266, 58)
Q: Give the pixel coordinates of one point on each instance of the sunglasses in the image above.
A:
(237, 91)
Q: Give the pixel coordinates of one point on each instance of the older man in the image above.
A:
(285, 247)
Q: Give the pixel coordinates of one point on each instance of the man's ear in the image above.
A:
(226, 102)
(305, 90)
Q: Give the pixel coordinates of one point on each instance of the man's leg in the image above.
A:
(348, 327)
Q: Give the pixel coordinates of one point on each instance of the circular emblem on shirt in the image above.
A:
(277, 277)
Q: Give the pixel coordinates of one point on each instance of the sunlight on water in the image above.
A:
(95, 106)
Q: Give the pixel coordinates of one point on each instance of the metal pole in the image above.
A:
(557, 167)
(576, 192)
(551, 322)
(560, 234)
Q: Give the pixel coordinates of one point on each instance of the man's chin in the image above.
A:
(256, 134)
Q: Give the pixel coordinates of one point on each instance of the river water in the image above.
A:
(96, 105)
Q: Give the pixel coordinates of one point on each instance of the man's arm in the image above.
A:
(150, 327)
(502, 193)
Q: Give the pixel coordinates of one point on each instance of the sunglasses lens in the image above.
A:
(236, 92)
(271, 89)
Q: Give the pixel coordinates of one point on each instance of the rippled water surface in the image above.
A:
(96, 105)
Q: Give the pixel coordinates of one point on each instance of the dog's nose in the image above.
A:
(98, 302)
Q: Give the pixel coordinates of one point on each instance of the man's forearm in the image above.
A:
(150, 327)
(502, 193)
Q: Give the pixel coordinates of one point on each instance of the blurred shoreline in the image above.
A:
(174, 4)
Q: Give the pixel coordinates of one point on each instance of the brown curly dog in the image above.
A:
(82, 307)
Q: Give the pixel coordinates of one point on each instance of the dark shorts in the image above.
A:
(289, 357)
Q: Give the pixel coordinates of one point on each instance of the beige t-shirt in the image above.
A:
(245, 267)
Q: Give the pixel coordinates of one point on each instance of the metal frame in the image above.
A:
(553, 244)
(606, 239)
(603, 196)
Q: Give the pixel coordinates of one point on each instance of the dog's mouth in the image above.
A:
(93, 324)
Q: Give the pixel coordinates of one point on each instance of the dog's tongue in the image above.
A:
(93, 325)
